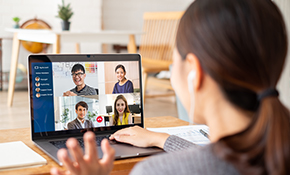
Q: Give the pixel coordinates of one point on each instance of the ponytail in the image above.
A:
(276, 132)
(264, 147)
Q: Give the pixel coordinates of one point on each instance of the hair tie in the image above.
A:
(267, 93)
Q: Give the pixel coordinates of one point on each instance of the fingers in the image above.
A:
(75, 150)
(125, 139)
(90, 146)
(88, 164)
(108, 154)
(69, 93)
(63, 157)
(126, 131)
(56, 171)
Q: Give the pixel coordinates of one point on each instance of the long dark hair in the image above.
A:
(242, 45)
(116, 113)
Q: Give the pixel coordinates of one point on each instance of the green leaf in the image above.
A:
(16, 19)
(65, 11)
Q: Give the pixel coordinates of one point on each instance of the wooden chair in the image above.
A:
(157, 43)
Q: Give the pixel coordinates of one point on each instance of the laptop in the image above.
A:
(92, 87)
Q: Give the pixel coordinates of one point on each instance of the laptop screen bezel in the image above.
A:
(42, 58)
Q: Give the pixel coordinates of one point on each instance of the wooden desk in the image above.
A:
(121, 167)
(55, 38)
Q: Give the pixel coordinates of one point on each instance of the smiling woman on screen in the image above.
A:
(121, 114)
(228, 60)
(123, 85)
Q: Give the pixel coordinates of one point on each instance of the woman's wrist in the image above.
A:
(159, 139)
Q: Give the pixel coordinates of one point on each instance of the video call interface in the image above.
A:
(81, 95)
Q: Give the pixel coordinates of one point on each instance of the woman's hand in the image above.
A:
(88, 163)
(140, 137)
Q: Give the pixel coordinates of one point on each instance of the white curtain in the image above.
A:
(284, 83)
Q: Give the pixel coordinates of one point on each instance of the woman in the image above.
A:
(229, 58)
(121, 114)
(123, 85)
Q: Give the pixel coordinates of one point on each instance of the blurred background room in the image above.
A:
(153, 37)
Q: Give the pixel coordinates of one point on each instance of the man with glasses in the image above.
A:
(78, 76)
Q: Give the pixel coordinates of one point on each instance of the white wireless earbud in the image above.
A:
(190, 79)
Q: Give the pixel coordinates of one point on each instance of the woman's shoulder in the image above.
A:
(196, 160)
(129, 82)
(117, 83)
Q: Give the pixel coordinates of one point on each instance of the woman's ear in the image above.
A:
(194, 65)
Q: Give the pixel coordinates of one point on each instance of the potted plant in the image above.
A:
(65, 13)
(16, 20)
(91, 115)
(65, 117)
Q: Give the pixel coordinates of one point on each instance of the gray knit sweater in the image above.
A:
(184, 157)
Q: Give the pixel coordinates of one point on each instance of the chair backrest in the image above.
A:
(158, 40)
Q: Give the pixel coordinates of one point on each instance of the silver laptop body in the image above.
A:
(53, 115)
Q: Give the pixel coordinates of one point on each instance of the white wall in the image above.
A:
(284, 83)
(87, 17)
(128, 14)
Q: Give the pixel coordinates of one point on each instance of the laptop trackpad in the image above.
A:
(125, 151)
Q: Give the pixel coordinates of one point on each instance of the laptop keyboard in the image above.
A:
(61, 143)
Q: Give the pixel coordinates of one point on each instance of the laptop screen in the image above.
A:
(70, 94)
